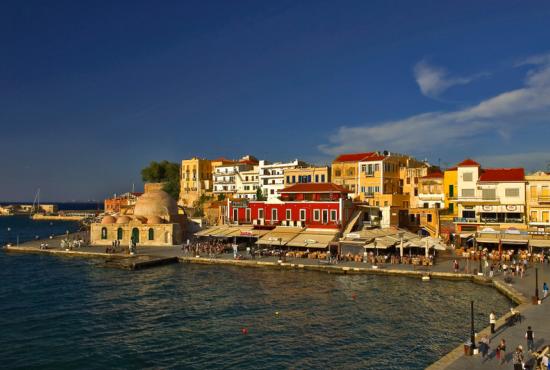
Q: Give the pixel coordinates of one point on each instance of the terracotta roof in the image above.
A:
(222, 159)
(502, 174)
(373, 158)
(353, 157)
(468, 163)
(314, 188)
(434, 175)
(248, 161)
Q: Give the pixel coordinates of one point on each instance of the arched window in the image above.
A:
(104, 233)
(119, 233)
(151, 234)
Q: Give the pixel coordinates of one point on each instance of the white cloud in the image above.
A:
(433, 80)
(502, 113)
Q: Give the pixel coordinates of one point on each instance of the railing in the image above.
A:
(465, 220)
(476, 199)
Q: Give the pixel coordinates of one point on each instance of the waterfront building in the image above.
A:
(431, 191)
(538, 201)
(344, 170)
(410, 175)
(196, 180)
(450, 185)
(228, 174)
(152, 221)
(272, 176)
(121, 202)
(315, 205)
(306, 175)
(489, 198)
(247, 183)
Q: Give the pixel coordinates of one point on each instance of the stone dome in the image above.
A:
(108, 220)
(156, 203)
(140, 219)
(123, 220)
(153, 220)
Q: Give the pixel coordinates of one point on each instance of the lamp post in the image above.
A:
(9, 234)
(537, 284)
(472, 332)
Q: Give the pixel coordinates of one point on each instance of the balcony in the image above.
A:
(436, 196)
(477, 199)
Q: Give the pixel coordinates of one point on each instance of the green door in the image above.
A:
(135, 235)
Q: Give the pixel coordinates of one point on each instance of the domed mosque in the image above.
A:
(153, 221)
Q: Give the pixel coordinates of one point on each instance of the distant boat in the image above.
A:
(36, 203)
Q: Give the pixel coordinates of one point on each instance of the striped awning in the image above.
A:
(313, 239)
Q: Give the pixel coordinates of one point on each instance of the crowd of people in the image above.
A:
(209, 248)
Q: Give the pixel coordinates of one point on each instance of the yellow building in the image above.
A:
(450, 183)
(410, 176)
(538, 200)
(344, 171)
(196, 180)
(306, 175)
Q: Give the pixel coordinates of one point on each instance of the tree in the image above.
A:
(259, 194)
(221, 197)
(166, 172)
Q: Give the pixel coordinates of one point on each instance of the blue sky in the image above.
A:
(91, 92)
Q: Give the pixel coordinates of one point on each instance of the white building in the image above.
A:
(247, 183)
(272, 177)
(227, 176)
(494, 196)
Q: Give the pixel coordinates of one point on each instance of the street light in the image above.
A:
(537, 284)
(8, 239)
(472, 332)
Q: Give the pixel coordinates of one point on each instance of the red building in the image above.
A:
(118, 203)
(313, 205)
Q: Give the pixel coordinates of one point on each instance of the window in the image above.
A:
(489, 194)
(438, 205)
(288, 179)
(248, 215)
(468, 192)
(119, 233)
(467, 176)
(274, 216)
(316, 215)
(333, 215)
(322, 178)
(325, 216)
(451, 191)
(469, 214)
(302, 215)
(429, 217)
(316, 178)
(350, 172)
(289, 214)
(426, 205)
(511, 192)
(151, 234)
(363, 168)
(103, 233)
(451, 207)
(261, 213)
(272, 191)
(293, 179)
(337, 173)
(235, 214)
(377, 167)
(534, 216)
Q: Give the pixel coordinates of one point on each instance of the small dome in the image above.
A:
(156, 203)
(153, 220)
(123, 220)
(108, 220)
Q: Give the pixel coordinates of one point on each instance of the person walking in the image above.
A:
(455, 265)
(545, 289)
(492, 272)
(501, 351)
(484, 347)
(530, 336)
(517, 358)
(492, 321)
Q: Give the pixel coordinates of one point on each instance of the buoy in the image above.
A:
(244, 331)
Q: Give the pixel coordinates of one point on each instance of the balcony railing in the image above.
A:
(462, 198)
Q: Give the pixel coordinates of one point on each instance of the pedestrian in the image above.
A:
(484, 347)
(455, 265)
(530, 336)
(517, 358)
(501, 351)
(492, 321)
(492, 272)
(545, 289)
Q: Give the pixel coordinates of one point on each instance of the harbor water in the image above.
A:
(63, 313)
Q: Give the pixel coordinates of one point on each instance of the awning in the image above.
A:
(466, 235)
(311, 239)
(540, 243)
(213, 231)
(514, 241)
(279, 236)
(487, 239)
